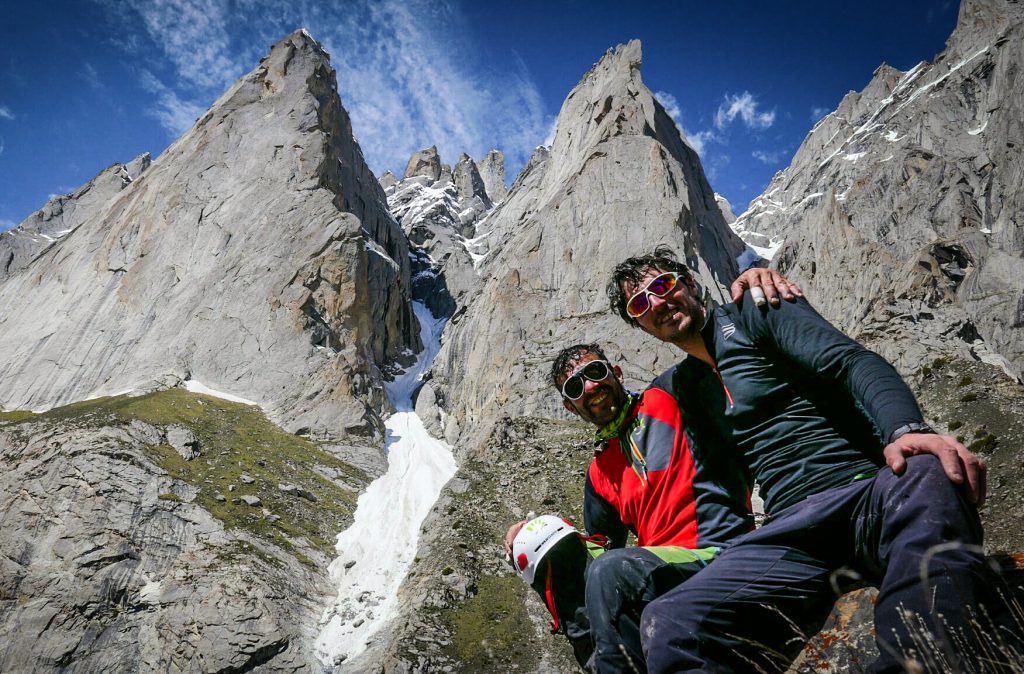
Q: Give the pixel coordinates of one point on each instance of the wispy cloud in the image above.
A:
(6, 224)
(2, 146)
(173, 113)
(698, 140)
(91, 76)
(773, 157)
(671, 105)
(817, 113)
(549, 137)
(193, 34)
(406, 71)
(409, 84)
(744, 106)
(934, 12)
(5, 112)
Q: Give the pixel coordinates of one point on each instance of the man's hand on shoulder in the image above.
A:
(960, 464)
(510, 535)
(771, 283)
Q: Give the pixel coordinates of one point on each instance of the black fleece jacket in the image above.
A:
(802, 405)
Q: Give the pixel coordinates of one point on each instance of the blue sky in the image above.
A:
(86, 83)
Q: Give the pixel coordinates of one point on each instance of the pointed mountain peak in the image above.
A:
(621, 60)
(300, 38)
(612, 101)
(492, 170)
(303, 271)
(388, 179)
(424, 163)
(468, 181)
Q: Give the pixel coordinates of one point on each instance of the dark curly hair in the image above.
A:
(569, 355)
(633, 271)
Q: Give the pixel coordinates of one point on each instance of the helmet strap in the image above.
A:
(549, 597)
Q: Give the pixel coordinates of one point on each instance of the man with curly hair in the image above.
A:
(850, 474)
(682, 501)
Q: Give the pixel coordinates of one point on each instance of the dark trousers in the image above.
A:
(914, 536)
(599, 608)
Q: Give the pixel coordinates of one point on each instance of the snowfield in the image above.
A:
(375, 553)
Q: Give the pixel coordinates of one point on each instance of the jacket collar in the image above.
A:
(613, 428)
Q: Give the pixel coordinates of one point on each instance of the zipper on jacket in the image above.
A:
(725, 388)
(637, 458)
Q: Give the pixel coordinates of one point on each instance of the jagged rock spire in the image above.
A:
(618, 180)
(425, 163)
(255, 255)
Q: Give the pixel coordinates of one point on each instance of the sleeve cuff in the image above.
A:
(916, 427)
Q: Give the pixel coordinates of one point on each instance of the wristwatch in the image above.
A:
(916, 427)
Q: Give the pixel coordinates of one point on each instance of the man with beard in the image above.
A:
(648, 476)
(816, 418)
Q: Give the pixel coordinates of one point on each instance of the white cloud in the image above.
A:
(193, 34)
(698, 140)
(549, 138)
(173, 113)
(5, 112)
(6, 224)
(773, 157)
(91, 76)
(744, 106)
(671, 105)
(817, 113)
(409, 85)
(407, 73)
(2, 146)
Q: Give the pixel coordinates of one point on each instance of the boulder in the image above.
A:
(184, 441)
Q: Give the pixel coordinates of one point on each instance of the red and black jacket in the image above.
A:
(655, 480)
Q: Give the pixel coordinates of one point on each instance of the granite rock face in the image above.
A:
(256, 255)
(914, 182)
(63, 214)
(492, 170)
(425, 163)
(569, 218)
(108, 566)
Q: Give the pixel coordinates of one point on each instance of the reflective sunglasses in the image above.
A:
(595, 370)
(659, 286)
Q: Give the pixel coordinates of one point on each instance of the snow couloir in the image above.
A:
(374, 554)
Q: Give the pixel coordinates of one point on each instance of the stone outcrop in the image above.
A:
(617, 180)
(901, 210)
(492, 170)
(110, 563)
(441, 210)
(63, 214)
(425, 163)
(726, 208)
(256, 255)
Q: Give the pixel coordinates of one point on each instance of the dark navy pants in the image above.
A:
(599, 606)
(755, 606)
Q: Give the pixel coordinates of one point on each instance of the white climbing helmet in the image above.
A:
(534, 541)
